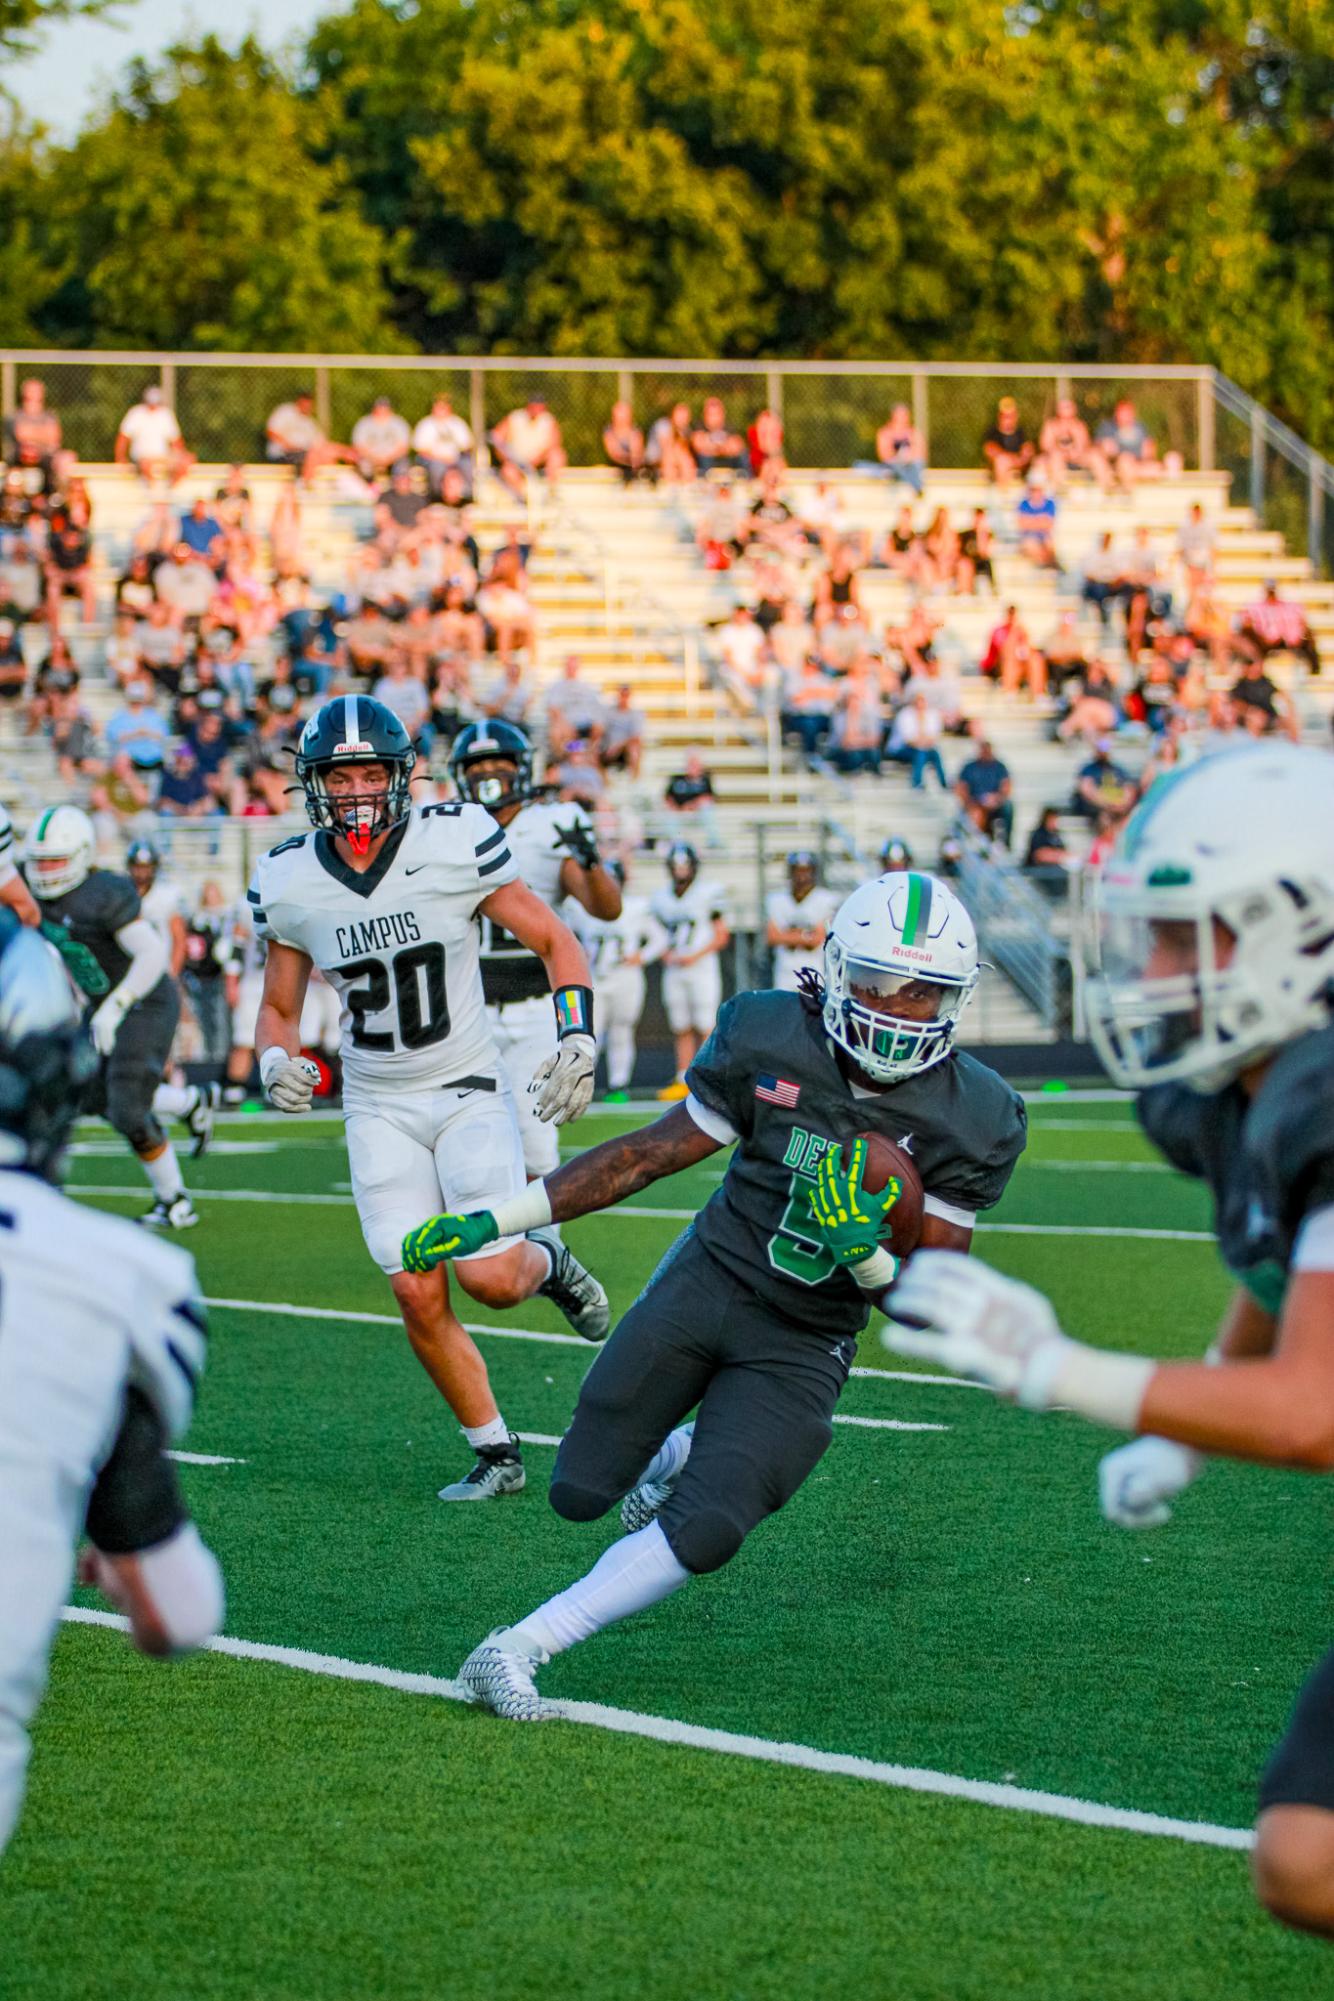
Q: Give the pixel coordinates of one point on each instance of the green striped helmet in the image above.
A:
(58, 853)
(900, 964)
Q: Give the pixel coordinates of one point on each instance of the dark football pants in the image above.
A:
(1301, 1770)
(122, 1091)
(766, 1391)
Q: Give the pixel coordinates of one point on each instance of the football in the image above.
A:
(884, 1161)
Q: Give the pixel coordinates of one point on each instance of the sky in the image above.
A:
(79, 58)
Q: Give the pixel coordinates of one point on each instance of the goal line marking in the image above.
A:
(729, 1743)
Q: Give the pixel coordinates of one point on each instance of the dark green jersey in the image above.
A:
(770, 1072)
(102, 904)
(1268, 1160)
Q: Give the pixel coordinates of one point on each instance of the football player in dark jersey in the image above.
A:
(135, 1018)
(1212, 994)
(752, 1318)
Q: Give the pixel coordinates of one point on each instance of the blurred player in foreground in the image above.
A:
(754, 1313)
(99, 1356)
(1212, 995)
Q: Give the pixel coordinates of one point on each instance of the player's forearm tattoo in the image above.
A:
(621, 1167)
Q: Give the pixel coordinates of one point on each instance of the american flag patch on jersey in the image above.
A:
(777, 1091)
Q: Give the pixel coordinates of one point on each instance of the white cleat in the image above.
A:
(573, 1288)
(178, 1215)
(498, 1676)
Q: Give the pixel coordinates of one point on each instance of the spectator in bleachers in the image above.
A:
(32, 436)
(914, 740)
(743, 649)
(836, 587)
(807, 705)
(160, 648)
(504, 605)
(1102, 786)
(57, 674)
(667, 452)
(942, 690)
(208, 739)
(1035, 523)
(764, 445)
(1276, 625)
(443, 444)
(149, 439)
(723, 528)
(622, 744)
(1046, 858)
(157, 534)
(691, 792)
(1104, 577)
(940, 553)
(509, 697)
(1254, 690)
(183, 793)
(792, 638)
(1007, 447)
(977, 554)
(1011, 658)
(623, 446)
(528, 441)
(22, 584)
(120, 658)
(823, 518)
(574, 708)
(233, 504)
(13, 665)
(1154, 695)
(1064, 446)
(73, 738)
(715, 445)
(185, 584)
(1125, 446)
(857, 733)
(202, 533)
(263, 762)
(294, 436)
(405, 693)
(460, 629)
(1064, 652)
(900, 451)
(123, 800)
(579, 775)
(1092, 706)
(137, 729)
(1196, 546)
(69, 565)
(399, 508)
(913, 644)
(901, 550)
(984, 790)
(381, 441)
(772, 524)
(16, 510)
(1144, 589)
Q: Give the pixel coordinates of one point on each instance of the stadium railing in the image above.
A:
(830, 409)
(1019, 929)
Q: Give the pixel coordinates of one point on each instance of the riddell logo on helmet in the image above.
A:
(906, 952)
(354, 750)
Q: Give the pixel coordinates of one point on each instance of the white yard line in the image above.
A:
(887, 1424)
(205, 1459)
(917, 1376)
(668, 1215)
(728, 1743)
(1026, 1166)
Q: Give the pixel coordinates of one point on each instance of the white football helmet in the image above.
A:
(59, 851)
(1212, 940)
(905, 934)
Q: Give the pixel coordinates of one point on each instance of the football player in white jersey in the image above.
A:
(618, 950)
(101, 1342)
(557, 856)
(162, 904)
(383, 898)
(694, 916)
(797, 919)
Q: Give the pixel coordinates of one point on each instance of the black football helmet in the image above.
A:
(46, 1057)
(804, 865)
(682, 864)
(486, 743)
(895, 855)
(352, 729)
(142, 854)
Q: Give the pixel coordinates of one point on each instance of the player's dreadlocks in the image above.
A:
(810, 986)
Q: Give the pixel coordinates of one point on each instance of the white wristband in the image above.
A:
(271, 1061)
(525, 1212)
(873, 1274)
(1107, 1389)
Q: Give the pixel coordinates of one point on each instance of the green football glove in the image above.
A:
(430, 1244)
(82, 966)
(848, 1218)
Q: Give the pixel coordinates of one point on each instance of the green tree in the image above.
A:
(195, 211)
(22, 21)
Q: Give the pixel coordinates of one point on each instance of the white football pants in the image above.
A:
(618, 1002)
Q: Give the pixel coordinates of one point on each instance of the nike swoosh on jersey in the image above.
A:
(416, 869)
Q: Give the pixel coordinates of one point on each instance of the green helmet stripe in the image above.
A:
(44, 822)
(918, 918)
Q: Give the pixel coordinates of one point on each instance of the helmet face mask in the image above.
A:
(682, 866)
(900, 966)
(59, 851)
(492, 764)
(361, 740)
(1210, 940)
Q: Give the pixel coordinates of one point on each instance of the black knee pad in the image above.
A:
(132, 1116)
(705, 1539)
(579, 1504)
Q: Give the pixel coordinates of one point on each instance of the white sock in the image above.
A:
(629, 1577)
(175, 1101)
(165, 1175)
(496, 1432)
(670, 1456)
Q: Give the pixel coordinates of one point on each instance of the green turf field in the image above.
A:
(944, 1599)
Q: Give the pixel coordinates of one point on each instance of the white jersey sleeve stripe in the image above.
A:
(502, 860)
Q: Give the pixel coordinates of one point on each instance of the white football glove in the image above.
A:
(1136, 1482)
(104, 1026)
(563, 1084)
(291, 1088)
(951, 1310)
